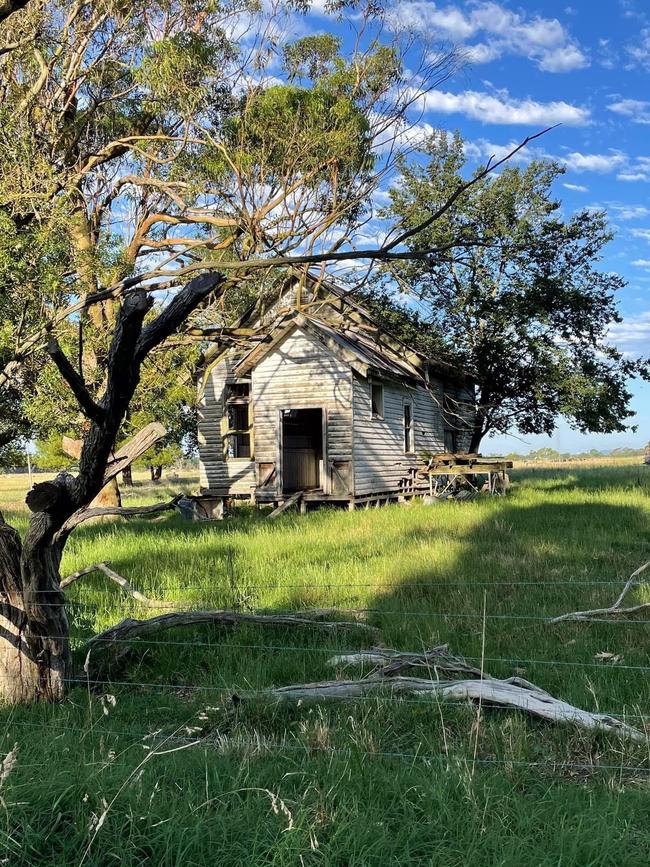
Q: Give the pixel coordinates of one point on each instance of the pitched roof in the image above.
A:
(346, 324)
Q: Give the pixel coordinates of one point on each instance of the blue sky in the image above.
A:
(583, 64)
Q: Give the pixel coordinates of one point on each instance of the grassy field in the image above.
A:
(117, 777)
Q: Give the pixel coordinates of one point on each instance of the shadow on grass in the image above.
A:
(428, 575)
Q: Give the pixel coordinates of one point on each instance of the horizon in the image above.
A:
(530, 68)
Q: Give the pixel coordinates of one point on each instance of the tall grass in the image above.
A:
(374, 782)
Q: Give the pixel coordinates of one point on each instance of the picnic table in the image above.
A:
(446, 472)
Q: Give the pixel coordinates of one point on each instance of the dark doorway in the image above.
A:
(302, 449)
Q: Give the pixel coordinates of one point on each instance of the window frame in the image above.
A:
(374, 384)
(234, 399)
(408, 428)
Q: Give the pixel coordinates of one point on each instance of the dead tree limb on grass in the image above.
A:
(489, 691)
(115, 644)
(594, 615)
(118, 579)
(120, 511)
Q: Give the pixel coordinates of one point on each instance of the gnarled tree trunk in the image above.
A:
(35, 659)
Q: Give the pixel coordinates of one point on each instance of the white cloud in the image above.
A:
(601, 163)
(504, 109)
(641, 263)
(639, 51)
(630, 212)
(633, 334)
(482, 52)
(644, 234)
(577, 188)
(499, 31)
(563, 59)
(638, 110)
(631, 177)
(482, 148)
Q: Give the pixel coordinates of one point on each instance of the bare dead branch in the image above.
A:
(123, 512)
(75, 381)
(131, 450)
(176, 312)
(615, 609)
(463, 188)
(116, 643)
(118, 579)
(487, 692)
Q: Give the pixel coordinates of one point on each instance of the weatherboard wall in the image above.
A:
(216, 473)
(301, 373)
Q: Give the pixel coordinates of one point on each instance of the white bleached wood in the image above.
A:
(615, 609)
(487, 691)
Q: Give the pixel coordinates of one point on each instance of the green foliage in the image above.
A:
(153, 131)
(50, 455)
(516, 293)
(406, 324)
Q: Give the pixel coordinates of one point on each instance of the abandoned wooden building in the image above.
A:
(320, 399)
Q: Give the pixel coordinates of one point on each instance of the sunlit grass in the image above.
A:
(427, 575)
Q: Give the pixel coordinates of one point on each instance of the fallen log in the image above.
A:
(488, 691)
(392, 662)
(119, 511)
(614, 610)
(121, 639)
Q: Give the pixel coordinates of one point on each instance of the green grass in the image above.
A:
(368, 783)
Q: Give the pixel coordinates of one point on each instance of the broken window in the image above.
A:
(238, 418)
(451, 441)
(408, 428)
(377, 399)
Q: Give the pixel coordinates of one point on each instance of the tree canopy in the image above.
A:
(142, 140)
(515, 293)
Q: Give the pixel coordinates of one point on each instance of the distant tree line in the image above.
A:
(548, 454)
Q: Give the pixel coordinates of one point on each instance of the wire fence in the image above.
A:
(229, 593)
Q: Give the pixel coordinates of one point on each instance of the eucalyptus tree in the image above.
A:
(518, 298)
(143, 148)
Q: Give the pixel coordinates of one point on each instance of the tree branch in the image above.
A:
(462, 188)
(118, 579)
(489, 692)
(8, 7)
(615, 609)
(118, 638)
(176, 312)
(76, 382)
(126, 512)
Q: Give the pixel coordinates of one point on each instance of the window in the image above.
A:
(377, 399)
(451, 443)
(238, 437)
(238, 391)
(238, 445)
(408, 428)
(238, 416)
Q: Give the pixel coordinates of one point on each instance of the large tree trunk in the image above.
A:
(477, 436)
(110, 494)
(35, 659)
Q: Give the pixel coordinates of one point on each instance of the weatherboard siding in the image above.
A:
(380, 462)
(301, 373)
(236, 476)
